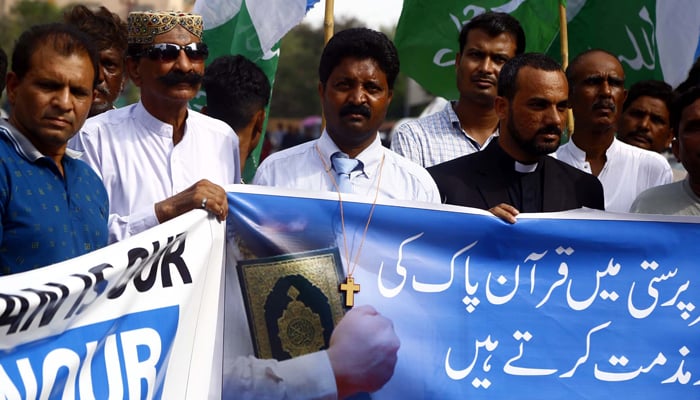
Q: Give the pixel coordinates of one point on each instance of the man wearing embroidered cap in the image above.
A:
(157, 158)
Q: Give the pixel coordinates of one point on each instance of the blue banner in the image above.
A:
(578, 305)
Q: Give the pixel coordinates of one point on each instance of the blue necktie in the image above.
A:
(343, 166)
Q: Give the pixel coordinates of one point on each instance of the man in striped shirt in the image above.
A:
(469, 124)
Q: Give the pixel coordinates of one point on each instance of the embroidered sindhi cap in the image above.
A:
(146, 25)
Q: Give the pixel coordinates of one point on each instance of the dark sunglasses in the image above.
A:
(167, 52)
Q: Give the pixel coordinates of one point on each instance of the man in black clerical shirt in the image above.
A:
(515, 174)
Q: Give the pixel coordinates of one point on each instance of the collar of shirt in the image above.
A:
(578, 154)
(371, 157)
(525, 168)
(152, 123)
(21, 144)
(454, 120)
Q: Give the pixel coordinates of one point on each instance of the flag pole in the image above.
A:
(328, 27)
(328, 22)
(564, 41)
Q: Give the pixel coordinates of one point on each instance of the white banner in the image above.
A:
(138, 319)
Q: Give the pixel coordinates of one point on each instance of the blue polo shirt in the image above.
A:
(46, 217)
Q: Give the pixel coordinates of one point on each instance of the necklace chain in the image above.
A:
(353, 265)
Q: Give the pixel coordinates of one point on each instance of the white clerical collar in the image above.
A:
(525, 168)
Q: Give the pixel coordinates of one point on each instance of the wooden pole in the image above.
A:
(564, 36)
(328, 28)
(328, 22)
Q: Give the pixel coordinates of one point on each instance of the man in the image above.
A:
(157, 158)
(237, 93)
(514, 174)
(645, 116)
(53, 207)
(683, 197)
(645, 121)
(151, 150)
(357, 72)
(469, 124)
(597, 91)
(108, 32)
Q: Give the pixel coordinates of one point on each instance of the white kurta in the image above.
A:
(133, 153)
(627, 172)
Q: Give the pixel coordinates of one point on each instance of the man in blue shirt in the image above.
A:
(52, 206)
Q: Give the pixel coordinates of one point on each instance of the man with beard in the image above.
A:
(514, 173)
(108, 32)
(597, 92)
(357, 72)
(469, 124)
(154, 156)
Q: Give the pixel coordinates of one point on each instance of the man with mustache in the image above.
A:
(597, 92)
(514, 173)
(469, 124)
(108, 32)
(682, 197)
(157, 158)
(357, 72)
(52, 206)
(645, 121)
(356, 85)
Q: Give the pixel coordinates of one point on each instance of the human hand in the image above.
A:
(505, 212)
(202, 194)
(362, 351)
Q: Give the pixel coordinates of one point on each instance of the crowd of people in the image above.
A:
(78, 173)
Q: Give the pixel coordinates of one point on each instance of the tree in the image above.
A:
(23, 14)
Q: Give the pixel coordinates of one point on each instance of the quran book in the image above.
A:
(292, 302)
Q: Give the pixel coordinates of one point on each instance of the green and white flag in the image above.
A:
(251, 28)
(653, 39)
(428, 31)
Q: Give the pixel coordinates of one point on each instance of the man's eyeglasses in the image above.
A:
(168, 52)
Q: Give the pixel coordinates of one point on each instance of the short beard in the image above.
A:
(531, 146)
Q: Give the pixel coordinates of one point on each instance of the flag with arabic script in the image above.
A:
(653, 39)
(251, 28)
(428, 30)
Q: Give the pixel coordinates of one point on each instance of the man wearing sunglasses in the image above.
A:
(157, 158)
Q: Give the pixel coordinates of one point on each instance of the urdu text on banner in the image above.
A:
(574, 304)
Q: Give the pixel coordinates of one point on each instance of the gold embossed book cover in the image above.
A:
(292, 301)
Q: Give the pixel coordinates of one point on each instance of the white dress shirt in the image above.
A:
(627, 172)
(308, 166)
(134, 154)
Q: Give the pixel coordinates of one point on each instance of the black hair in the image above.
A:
(680, 103)
(65, 39)
(105, 28)
(494, 24)
(360, 43)
(236, 89)
(650, 88)
(508, 77)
